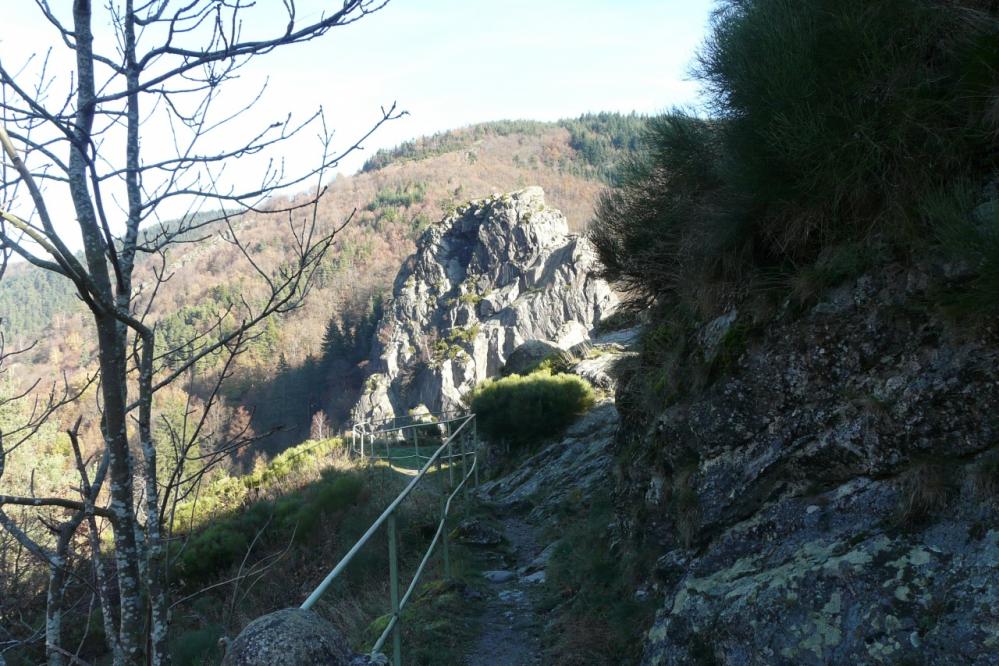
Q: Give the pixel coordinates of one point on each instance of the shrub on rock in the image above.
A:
(519, 410)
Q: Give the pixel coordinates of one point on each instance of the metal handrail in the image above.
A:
(387, 518)
(385, 428)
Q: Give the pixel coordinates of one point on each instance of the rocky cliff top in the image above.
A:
(493, 275)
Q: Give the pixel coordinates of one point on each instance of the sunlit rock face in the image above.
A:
(495, 274)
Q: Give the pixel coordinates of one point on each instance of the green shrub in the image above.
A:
(662, 227)
(197, 647)
(968, 230)
(833, 123)
(839, 114)
(225, 541)
(212, 550)
(333, 495)
(399, 196)
(832, 119)
(520, 410)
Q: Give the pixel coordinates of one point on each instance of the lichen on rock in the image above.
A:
(831, 487)
(289, 637)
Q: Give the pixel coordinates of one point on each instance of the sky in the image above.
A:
(448, 63)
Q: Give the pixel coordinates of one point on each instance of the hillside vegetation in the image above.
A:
(842, 135)
(308, 361)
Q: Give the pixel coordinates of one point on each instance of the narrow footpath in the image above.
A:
(510, 629)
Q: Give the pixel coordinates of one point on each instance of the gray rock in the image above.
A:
(577, 463)
(499, 576)
(541, 561)
(536, 578)
(602, 367)
(798, 474)
(473, 532)
(289, 637)
(497, 273)
(714, 333)
(514, 596)
(529, 355)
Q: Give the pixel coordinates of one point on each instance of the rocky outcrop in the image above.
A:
(833, 499)
(495, 274)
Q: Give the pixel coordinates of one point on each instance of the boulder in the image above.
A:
(289, 637)
(473, 532)
(528, 355)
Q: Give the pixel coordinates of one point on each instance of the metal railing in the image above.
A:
(376, 439)
(454, 430)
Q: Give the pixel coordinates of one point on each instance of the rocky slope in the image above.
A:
(832, 496)
(833, 499)
(495, 274)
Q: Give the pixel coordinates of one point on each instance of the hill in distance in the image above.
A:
(309, 360)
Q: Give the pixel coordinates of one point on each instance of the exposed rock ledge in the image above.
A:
(493, 275)
(839, 491)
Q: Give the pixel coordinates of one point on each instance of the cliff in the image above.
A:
(833, 499)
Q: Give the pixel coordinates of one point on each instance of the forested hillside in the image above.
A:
(308, 362)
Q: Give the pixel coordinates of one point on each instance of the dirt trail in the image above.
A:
(510, 633)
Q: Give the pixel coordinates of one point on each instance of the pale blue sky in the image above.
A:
(455, 62)
(449, 63)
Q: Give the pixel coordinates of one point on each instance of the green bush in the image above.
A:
(213, 550)
(402, 196)
(333, 495)
(520, 410)
(664, 226)
(225, 541)
(968, 231)
(839, 114)
(831, 120)
(197, 647)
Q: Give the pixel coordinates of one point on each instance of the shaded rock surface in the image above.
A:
(474, 532)
(529, 355)
(497, 273)
(834, 499)
(577, 463)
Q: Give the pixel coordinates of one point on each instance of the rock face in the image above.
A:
(495, 274)
(833, 500)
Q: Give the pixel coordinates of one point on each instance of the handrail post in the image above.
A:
(450, 463)
(464, 472)
(394, 592)
(444, 538)
(475, 445)
(416, 445)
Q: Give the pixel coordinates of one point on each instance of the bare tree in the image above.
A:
(162, 64)
(320, 426)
